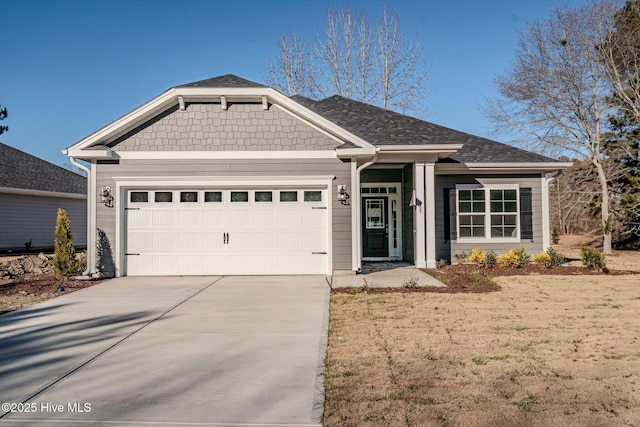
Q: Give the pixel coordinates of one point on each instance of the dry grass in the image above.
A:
(546, 350)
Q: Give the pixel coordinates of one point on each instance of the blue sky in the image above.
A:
(69, 67)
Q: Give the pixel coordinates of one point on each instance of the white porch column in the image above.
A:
(546, 234)
(419, 214)
(430, 213)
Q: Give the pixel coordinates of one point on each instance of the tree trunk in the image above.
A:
(604, 207)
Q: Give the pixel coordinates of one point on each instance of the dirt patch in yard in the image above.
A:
(546, 349)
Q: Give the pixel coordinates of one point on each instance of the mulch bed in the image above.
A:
(468, 278)
(43, 286)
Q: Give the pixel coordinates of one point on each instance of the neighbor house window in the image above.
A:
(487, 213)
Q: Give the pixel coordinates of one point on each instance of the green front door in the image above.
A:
(375, 224)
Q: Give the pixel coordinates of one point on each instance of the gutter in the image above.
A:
(90, 218)
(358, 213)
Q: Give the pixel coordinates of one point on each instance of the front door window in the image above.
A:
(375, 213)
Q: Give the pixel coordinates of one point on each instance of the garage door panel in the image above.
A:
(222, 237)
(190, 241)
(164, 241)
(139, 219)
(190, 262)
(140, 241)
(214, 218)
(191, 218)
(164, 218)
(264, 241)
(215, 264)
(290, 218)
(290, 241)
(164, 264)
(212, 241)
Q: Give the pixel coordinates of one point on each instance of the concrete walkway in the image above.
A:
(169, 351)
(383, 275)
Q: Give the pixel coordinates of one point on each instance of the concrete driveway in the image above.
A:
(169, 351)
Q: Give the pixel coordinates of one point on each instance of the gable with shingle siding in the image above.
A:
(207, 127)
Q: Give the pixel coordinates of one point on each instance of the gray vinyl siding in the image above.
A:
(24, 218)
(242, 127)
(341, 214)
(446, 249)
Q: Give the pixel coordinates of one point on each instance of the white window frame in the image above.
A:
(487, 213)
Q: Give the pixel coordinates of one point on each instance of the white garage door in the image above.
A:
(226, 231)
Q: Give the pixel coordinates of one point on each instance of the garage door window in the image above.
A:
(139, 197)
(313, 196)
(213, 196)
(163, 196)
(288, 196)
(239, 196)
(188, 197)
(264, 196)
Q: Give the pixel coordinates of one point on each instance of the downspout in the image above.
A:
(359, 210)
(90, 217)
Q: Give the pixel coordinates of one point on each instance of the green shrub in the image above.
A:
(555, 236)
(477, 256)
(593, 259)
(461, 257)
(64, 258)
(542, 259)
(491, 259)
(557, 258)
(523, 256)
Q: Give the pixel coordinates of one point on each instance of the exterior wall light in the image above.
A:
(106, 197)
(343, 196)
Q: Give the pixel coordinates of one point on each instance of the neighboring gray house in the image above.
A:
(31, 191)
(227, 176)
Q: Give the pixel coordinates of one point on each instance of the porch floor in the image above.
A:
(387, 274)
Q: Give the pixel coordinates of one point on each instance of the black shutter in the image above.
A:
(526, 214)
(453, 215)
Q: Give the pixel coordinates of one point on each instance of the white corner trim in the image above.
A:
(41, 193)
(546, 227)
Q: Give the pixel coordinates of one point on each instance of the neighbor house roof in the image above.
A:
(24, 171)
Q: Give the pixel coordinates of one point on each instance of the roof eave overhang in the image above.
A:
(177, 96)
(530, 167)
(90, 154)
(42, 193)
(440, 150)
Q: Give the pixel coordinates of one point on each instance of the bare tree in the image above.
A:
(3, 115)
(556, 92)
(363, 58)
(401, 76)
(620, 52)
(293, 72)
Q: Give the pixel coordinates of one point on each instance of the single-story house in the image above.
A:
(228, 176)
(31, 191)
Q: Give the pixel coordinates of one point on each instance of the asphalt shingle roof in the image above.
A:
(383, 127)
(21, 170)
(378, 127)
(226, 81)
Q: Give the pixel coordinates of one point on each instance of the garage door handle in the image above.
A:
(318, 253)
(225, 238)
(127, 254)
